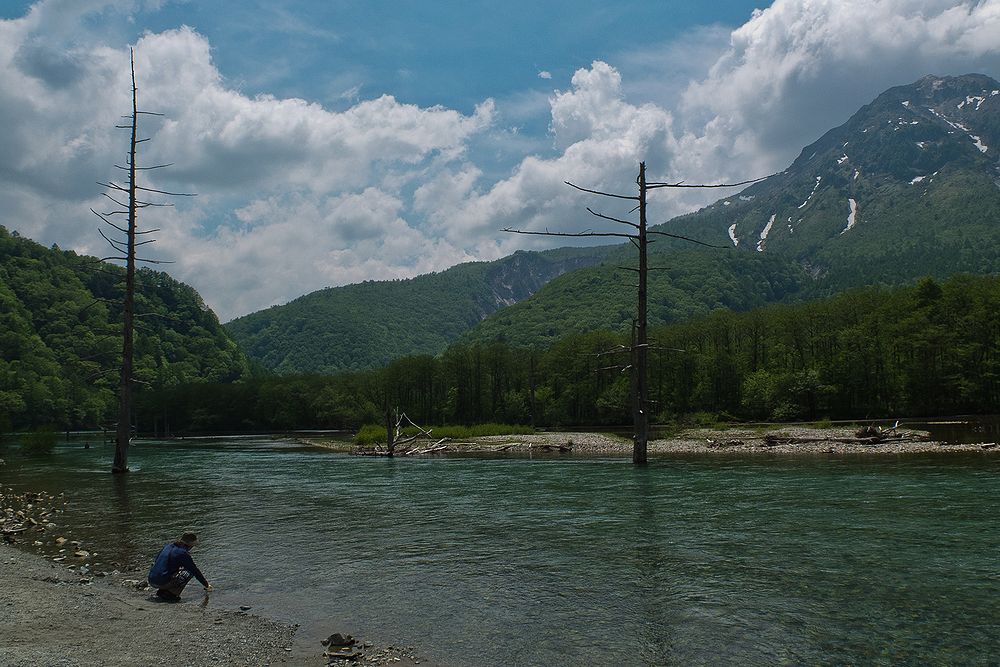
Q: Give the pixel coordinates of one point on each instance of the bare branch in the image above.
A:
(108, 222)
(603, 194)
(113, 186)
(681, 184)
(607, 217)
(148, 113)
(105, 194)
(117, 245)
(520, 231)
(156, 166)
(153, 261)
(164, 192)
(628, 268)
(685, 238)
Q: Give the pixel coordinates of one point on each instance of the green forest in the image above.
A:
(926, 349)
(60, 337)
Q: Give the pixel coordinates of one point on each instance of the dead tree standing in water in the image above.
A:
(126, 251)
(639, 237)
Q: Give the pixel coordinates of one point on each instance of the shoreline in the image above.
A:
(62, 607)
(55, 616)
(777, 441)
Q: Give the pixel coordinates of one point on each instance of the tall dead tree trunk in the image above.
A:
(126, 252)
(641, 397)
(639, 237)
(123, 434)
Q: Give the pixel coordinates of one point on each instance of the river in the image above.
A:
(566, 561)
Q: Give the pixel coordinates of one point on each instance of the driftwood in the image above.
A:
(552, 447)
(870, 436)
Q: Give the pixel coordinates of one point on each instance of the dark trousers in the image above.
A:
(172, 589)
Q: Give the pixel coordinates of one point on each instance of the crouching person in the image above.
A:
(174, 567)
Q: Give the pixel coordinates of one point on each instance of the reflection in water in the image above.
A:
(563, 561)
(120, 523)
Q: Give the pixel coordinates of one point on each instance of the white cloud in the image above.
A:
(294, 196)
(801, 67)
(544, 74)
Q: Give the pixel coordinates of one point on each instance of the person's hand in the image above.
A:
(209, 589)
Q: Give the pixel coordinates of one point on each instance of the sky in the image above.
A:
(336, 141)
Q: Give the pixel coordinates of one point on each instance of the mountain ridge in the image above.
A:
(897, 192)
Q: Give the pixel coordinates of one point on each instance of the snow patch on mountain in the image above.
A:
(852, 217)
(764, 232)
(815, 187)
(732, 235)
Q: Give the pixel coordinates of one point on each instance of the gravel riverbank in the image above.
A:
(61, 606)
(53, 616)
(787, 440)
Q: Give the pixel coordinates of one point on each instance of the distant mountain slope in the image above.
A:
(685, 284)
(60, 336)
(369, 324)
(907, 187)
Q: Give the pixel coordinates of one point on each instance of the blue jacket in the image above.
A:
(171, 558)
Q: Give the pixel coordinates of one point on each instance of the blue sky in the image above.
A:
(337, 141)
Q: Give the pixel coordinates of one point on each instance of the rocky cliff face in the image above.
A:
(520, 275)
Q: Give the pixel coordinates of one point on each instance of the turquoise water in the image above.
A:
(569, 561)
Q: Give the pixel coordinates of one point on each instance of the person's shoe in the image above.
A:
(167, 596)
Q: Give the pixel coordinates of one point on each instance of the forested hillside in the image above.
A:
(681, 286)
(926, 349)
(907, 187)
(369, 324)
(60, 344)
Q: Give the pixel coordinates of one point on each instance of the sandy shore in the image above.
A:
(790, 440)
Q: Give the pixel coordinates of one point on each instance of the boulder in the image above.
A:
(338, 640)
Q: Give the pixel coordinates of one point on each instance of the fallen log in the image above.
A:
(772, 440)
(549, 447)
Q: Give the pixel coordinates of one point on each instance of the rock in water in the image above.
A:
(338, 640)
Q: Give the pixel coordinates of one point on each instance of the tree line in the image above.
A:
(929, 348)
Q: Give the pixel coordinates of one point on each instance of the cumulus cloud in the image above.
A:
(803, 66)
(294, 196)
(544, 74)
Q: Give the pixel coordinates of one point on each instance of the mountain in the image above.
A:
(60, 336)
(907, 187)
(684, 285)
(369, 324)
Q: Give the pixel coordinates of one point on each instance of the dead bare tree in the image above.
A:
(125, 251)
(638, 235)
